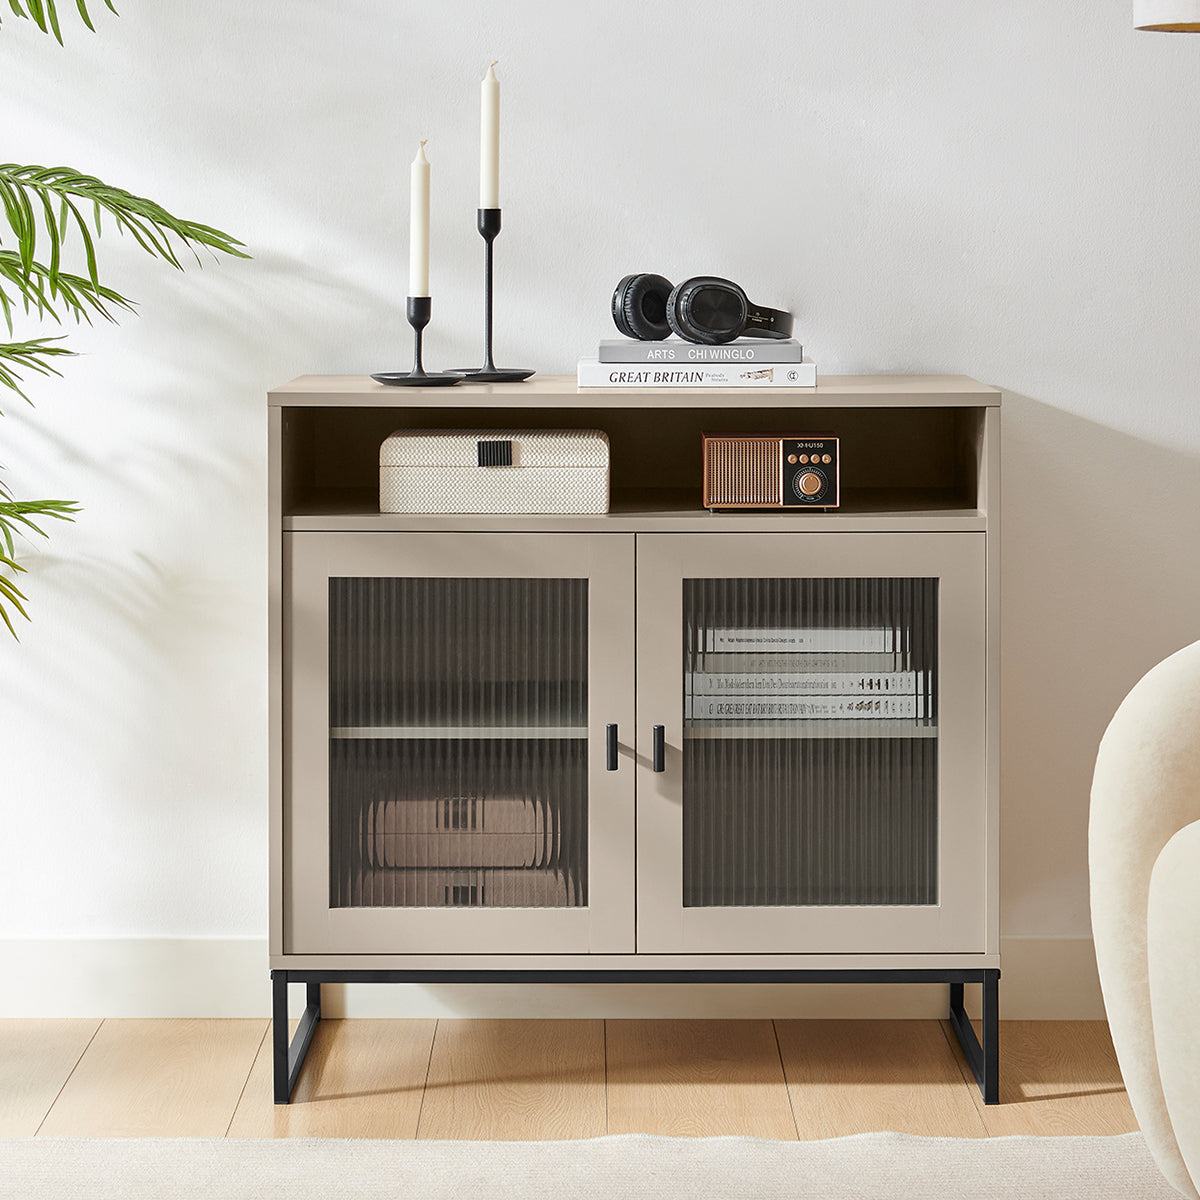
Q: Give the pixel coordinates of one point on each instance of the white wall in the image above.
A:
(1004, 190)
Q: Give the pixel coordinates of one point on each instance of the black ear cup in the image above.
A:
(639, 307)
(707, 310)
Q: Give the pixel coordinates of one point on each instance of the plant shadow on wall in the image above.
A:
(45, 209)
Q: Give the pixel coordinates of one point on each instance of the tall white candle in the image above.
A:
(418, 226)
(489, 140)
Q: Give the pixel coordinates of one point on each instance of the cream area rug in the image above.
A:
(878, 1166)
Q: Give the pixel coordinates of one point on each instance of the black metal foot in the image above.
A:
(288, 1059)
(984, 1060)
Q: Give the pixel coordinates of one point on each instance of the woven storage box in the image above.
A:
(494, 471)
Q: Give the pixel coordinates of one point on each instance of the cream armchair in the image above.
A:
(1144, 854)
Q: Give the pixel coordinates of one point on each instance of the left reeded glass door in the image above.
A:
(448, 709)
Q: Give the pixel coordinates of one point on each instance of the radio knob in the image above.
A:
(810, 483)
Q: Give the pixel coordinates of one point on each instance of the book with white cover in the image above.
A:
(793, 661)
(742, 683)
(467, 887)
(858, 638)
(593, 373)
(475, 832)
(762, 351)
(806, 708)
(491, 814)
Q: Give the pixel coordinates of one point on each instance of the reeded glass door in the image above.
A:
(822, 702)
(451, 789)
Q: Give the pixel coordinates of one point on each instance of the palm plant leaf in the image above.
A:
(55, 191)
(17, 517)
(45, 14)
(80, 297)
(10, 595)
(45, 203)
(33, 355)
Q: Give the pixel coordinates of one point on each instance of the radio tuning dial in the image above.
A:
(810, 483)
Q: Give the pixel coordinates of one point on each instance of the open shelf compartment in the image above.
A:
(919, 464)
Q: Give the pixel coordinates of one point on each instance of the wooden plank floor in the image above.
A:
(849, 1077)
(1056, 1078)
(515, 1080)
(696, 1079)
(142, 1078)
(361, 1079)
(553, 1079)
(36, 1059)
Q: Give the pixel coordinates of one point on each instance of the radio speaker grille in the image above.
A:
(743, 471)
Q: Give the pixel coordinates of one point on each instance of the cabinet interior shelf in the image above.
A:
(721, 730)
(358, 509)
(448, 732)
(732, 730)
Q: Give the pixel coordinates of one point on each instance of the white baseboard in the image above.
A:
(135, 977)
(1042, 979)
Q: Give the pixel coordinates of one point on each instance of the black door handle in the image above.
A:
(611, 737)
(660, 749)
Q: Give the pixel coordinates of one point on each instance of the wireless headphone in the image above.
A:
(702, 309)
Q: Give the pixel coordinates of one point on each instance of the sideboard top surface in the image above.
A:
(561, 391)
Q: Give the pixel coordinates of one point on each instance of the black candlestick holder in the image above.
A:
(487, 221)
(417, 308)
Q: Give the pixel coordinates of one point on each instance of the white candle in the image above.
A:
(418, 226)
(489, 140)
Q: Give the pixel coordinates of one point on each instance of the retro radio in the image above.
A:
(758, 470)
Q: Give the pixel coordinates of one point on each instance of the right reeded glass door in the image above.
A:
(822, 699)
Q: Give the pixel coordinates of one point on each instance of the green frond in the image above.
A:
(17, 518)
(40, 287)
(55, 191)
(45, 203)
(11, 597)
(44, 14)
(33, 355)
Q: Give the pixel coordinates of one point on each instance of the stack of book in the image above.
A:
(744, 363)
(824, 674)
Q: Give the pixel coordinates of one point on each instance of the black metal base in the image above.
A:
(490, 374)
(416, 378)
(984, 1059)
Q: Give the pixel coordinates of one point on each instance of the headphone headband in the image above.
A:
(767, 322)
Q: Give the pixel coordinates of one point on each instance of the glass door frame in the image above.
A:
(311, 925)
(957, 923)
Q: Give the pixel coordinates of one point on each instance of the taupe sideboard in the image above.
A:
(566, 747)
